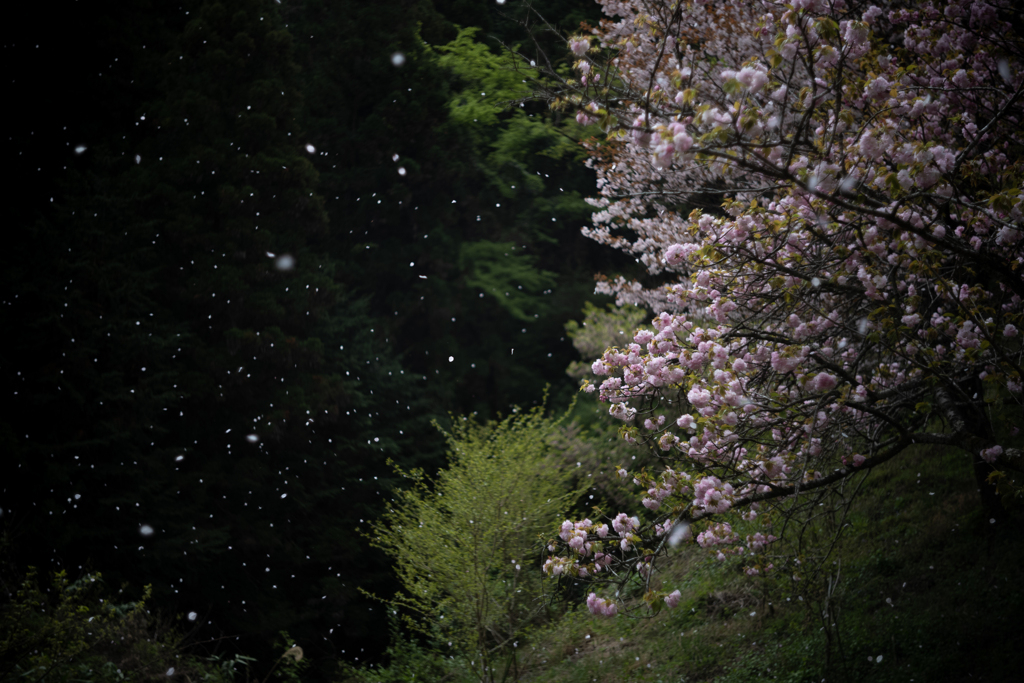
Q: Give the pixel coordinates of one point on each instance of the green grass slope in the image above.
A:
(923, 588)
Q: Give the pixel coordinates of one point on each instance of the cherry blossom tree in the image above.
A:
(827, 196)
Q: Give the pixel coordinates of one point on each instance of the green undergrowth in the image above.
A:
(928, 590)
(925, 587)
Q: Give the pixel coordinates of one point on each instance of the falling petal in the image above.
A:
(1004, 70)
(398, 59)
(679, 532)
(284, 262)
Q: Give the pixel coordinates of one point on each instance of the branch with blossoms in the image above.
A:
(852, 285)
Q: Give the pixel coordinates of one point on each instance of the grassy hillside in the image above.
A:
(923, 588)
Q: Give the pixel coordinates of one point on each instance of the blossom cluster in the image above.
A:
(602, 606)
(859, 274)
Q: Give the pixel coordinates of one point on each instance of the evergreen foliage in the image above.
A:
(72, 632)
(219, 390)
(213, 265)
(441, 198)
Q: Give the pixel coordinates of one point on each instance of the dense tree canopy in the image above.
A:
(218, 384)
(250, 236)
(828, 197)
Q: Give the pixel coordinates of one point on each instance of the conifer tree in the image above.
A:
(207, 408)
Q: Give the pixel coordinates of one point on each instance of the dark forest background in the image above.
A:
(252, 250)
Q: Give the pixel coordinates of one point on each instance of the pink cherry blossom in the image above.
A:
(861, 266)
(992, 454)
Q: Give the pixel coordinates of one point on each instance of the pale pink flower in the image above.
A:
(698, 397)
(823, 382)
(752, 79)
(877, 88)
(579, 46)
(990, 455)
(781, 364)
(871, 14)
(870, 146)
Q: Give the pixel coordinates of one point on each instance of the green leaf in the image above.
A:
(510, 276)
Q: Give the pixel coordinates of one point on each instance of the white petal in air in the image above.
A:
(1004, 70)
(678, 532)
(284, 262)
(146, 530)
(398, 59)
(311, 149)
